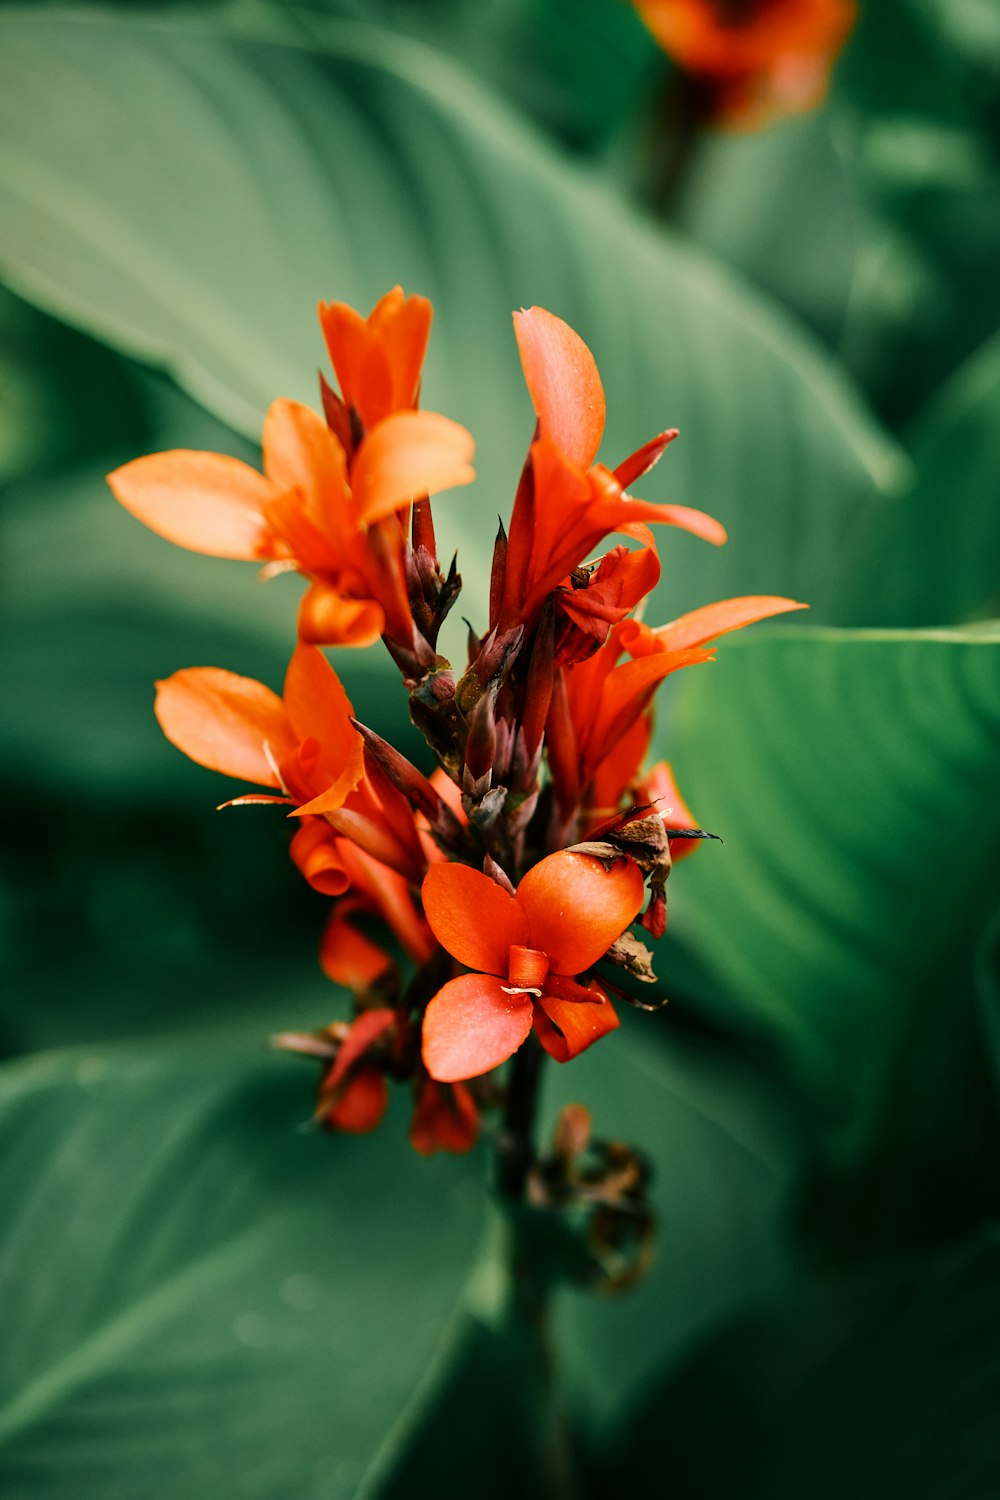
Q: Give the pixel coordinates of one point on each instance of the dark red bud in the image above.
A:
(422, 528)
(498, 576)
(481, 745)
(403, 775)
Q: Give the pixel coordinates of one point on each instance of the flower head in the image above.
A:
(357, 832)
(334, 497)
(526, 950)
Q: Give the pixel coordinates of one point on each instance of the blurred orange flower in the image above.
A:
(757, 58)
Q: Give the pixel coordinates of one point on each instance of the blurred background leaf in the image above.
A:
(394, 166)
(883, 1383)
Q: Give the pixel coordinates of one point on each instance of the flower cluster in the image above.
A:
(471, 905)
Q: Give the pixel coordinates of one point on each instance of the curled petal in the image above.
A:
(314, 851)
(573, 1020)
(226, 722)
(563, 382)
(472, 1026)
(207, 502)
(328, 617)
(409, 454)
(473, 917)
(576, 907)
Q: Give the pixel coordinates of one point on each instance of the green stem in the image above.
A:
(517, 1143)
(680, 121)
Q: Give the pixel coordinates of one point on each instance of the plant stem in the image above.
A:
(680, 122)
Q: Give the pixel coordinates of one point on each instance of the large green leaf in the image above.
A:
(935, 561)
(225, 1296)
(780, 206)
(853, 777)
(197, 1294)
(915, 111)
(884, 1384)
(189, 195)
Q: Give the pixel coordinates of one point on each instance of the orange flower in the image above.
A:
(306, 749)
(566, 505)
(334, 496)
(354, 1094)
(598, 729)
(377, 360)
(758, 58)
(527, 949)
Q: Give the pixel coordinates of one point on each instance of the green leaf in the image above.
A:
(800, 245)
(60, 394)
(853, 776)
(883, 1384)
(194, 1292)
(933, 560)
(915, 116)
(257, 176)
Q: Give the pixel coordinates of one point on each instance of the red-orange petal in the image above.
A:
(620, 512)
(626, 693)
(314, 851)
(329, 618)
(472, 917)
(576, 1019)
(365, 1029)
(645, 458)
(347, 956)
(563, 382)
(300, 452)
(318, 708)
(445, 1118)
(576, 908)
(362, 1105)
(408, 454)
(712, 620)
(471, 1026)
(224, 721)
(207, 502)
